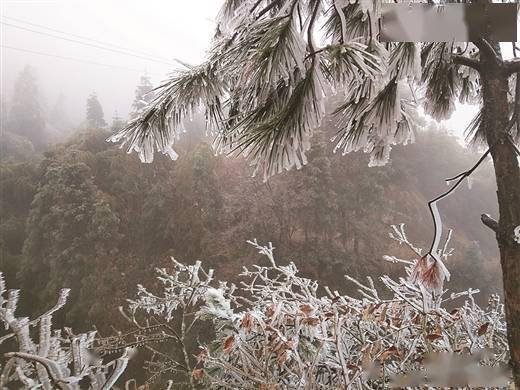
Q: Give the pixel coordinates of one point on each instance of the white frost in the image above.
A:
(516, 234)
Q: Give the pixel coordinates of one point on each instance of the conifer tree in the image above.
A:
(26, 116)
(70, 228)
(143, 96)
(95, 115)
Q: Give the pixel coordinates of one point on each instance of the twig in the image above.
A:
(489, 222)
(432, 204)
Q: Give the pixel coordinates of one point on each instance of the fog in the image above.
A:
(164, 30)
(45, 35)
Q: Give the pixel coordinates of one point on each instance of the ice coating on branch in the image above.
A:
(516, 234)
(45, 357)
(216, 305)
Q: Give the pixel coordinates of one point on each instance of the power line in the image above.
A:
(71, 59)
(87, 38)
(83, 43)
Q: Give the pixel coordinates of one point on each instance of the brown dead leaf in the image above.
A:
(282, 358)
(228, 343)
(353, 367)
(483, 329)
(433, 336)
(312, 321)
(385, 355)
(197, 373)
(382, 315)
(306, 309)
(416, 320)
(247, 321)
(397, 321)
(367, 312)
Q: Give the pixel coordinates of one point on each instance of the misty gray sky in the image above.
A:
(166, 29)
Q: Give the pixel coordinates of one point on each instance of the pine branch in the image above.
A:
(311, 27)
(512, 66)
(470, 62)
(267, 8)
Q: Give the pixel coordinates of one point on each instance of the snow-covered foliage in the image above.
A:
(278, 329)
(55, 359)
(264, 83)
(272, 65)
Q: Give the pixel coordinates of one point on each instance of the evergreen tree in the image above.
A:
(475, 267)
(95, 115)
(143, 96)
(70, 228)
(26, 116)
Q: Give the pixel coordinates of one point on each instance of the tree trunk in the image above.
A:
(507, 171)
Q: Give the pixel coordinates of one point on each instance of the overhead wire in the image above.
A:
(84, 43)
(88, 39)
(71, 58)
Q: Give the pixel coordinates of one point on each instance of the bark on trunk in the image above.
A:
(507, 172)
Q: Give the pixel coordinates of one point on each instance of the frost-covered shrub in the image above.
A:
(40, 357)
(279, 330)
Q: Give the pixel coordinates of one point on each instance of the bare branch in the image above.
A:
(463, 60)
(489, 222)
(432, 204)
